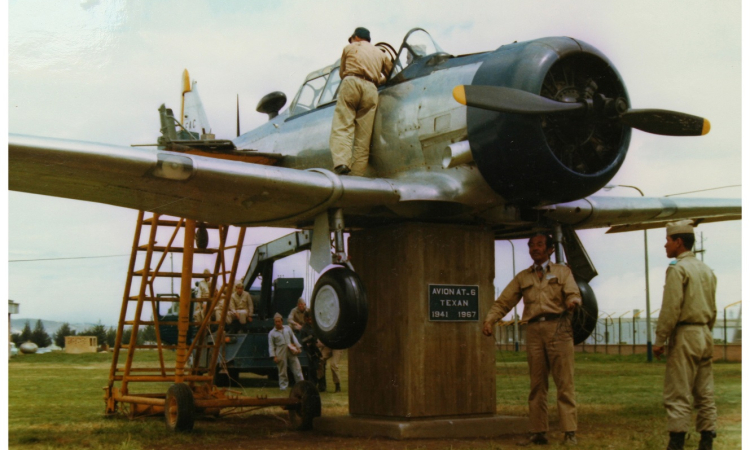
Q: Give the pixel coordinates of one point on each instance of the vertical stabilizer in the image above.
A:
(193, 115)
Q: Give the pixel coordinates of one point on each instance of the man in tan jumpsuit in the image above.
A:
(240, 311)
(549, 292)
(688, 314)
(363, 68)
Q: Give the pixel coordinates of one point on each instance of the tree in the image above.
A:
(16, 339)
(147, 334)
(26, 333)
(97, 330)
(39, 336)
(111, 336)
(63, 331)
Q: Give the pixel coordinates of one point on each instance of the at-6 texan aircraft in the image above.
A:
(516, 139)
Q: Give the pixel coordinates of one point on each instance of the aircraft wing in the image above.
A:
(622, 214)
(240, 193)
(202, 188)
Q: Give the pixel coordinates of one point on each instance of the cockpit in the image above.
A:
(321, 86)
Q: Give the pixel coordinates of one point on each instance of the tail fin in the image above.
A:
(193, 116)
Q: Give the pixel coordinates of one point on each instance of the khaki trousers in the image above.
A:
(334, 356)
(550, 349)
(690, 371)
(287, 360)
(352, 124)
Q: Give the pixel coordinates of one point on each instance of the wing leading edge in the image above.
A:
(202, 188)
(622, 214)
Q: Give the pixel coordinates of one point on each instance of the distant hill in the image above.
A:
(50, 326)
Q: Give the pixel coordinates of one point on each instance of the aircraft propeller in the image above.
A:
(509, 100)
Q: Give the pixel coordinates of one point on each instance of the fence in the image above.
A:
(627, 336)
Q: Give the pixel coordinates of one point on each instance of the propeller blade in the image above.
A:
(668, 123)
(502, 99)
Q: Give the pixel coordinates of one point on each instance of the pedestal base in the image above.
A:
(441, 428)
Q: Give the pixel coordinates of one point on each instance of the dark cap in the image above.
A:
(362, 33)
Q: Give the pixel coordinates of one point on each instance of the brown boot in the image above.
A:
(338, 387)
(534, 439)
(570, 438)
(676, 441)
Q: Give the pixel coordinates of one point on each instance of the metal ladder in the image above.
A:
(198, 371)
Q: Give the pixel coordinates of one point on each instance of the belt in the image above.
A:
(680, 324)
(545, 317)
(364, 77)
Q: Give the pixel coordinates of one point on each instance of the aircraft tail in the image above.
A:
(193, 116)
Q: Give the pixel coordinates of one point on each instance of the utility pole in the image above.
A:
(702, 250)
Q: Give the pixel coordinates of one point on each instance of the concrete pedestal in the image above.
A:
(410, 376)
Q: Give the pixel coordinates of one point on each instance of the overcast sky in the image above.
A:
(98, 71)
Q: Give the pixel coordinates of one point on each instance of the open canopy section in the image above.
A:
(417, 44)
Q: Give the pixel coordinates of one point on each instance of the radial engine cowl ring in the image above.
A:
(533, 159)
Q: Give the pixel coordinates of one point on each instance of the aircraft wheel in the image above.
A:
(584, 317)
(339, 308)
(301, 416)
(179, 408)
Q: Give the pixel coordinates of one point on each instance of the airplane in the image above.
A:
(519, 139)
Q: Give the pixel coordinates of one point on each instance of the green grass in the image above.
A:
(56, 401)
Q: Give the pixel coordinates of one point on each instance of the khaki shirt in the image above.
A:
(363, 58)
(296, 317)
(689, 296)
(241, 302)
(204, 289)
(550, 295)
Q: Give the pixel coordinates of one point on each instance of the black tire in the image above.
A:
(585, 316)
(301, 416)
(179, 408)
(339, 308)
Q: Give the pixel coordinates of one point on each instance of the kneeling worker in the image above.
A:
(548, 291)
(363, 68)
(240, 311)
(284, 347)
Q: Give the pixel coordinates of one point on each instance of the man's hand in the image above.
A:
(276, 360)
(573, 305)
(487, 328)
(658, 351)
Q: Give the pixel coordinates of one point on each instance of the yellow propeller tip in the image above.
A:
(459, 93)
(706, 127)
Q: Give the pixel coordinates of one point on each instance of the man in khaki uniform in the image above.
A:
(688, 314)
(549, 291)
(240, 309)
(296, 317)
(363, 68)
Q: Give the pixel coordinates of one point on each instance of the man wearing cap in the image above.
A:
(549, 292)
(284, 347)
(240, 309)
(688, 314)
(296, 317)
(363, 68)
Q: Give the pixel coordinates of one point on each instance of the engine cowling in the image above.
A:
(536, 159)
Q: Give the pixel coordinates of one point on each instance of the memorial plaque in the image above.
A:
(453, 303)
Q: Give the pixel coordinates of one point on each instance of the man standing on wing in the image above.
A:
(688, 314)
(363, 68)
(548, 291)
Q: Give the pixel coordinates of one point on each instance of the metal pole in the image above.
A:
(516, 344)
(725, 334)
(649, 345)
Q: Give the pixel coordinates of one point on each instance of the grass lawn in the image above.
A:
(56, 401)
